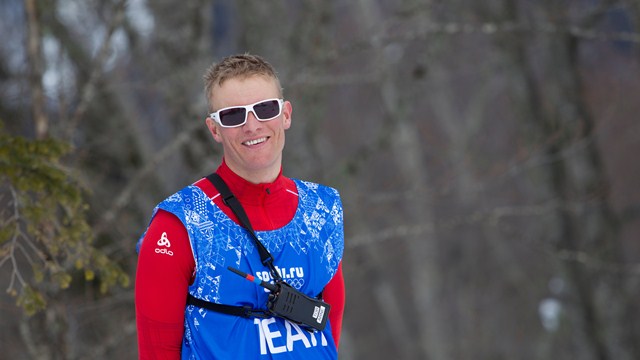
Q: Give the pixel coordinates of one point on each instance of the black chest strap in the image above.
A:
(243, 311)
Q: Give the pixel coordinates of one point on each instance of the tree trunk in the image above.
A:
(36, 69)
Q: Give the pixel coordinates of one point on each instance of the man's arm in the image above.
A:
(334, 295)
(165, 269)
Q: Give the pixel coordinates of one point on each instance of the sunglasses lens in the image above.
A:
(233, 116)
(267, 109)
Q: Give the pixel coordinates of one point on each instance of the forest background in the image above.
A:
(486, 153)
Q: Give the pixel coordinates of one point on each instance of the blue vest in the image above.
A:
(306, 253)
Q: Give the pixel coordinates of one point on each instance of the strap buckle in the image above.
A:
(226, 199)
(250, 312)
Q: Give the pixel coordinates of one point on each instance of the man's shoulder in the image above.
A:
(306, 186)
(206, 186)
(187, 192)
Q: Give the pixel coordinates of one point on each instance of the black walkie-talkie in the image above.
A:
(289, 303)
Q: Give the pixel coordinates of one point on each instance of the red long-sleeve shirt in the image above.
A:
(162, 281)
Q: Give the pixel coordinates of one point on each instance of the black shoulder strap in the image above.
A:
(232, 202)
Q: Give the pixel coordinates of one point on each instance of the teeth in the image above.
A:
(256, 141)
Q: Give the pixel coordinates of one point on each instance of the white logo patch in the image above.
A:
(164, 241)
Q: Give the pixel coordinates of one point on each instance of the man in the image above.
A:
(194, 237)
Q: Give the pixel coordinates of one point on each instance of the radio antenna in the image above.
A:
(255, 280)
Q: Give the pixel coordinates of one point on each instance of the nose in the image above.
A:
(252, 122)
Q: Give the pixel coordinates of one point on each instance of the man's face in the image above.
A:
(253, 150)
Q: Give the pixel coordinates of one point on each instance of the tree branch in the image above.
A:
(125, 195)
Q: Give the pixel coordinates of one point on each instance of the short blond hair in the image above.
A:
(237, 66)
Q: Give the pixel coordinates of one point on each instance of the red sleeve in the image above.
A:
(334, 295)
(165, 268)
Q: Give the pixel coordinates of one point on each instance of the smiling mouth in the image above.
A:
(255, 141)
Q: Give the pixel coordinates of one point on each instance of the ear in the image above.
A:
(214, 129)
(287, 109)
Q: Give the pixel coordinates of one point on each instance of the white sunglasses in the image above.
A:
(235, 116)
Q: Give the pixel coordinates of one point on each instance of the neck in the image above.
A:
(263, 176)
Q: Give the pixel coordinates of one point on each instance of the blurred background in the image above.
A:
(486, 153)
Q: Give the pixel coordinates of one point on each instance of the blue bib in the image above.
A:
(306, 253)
